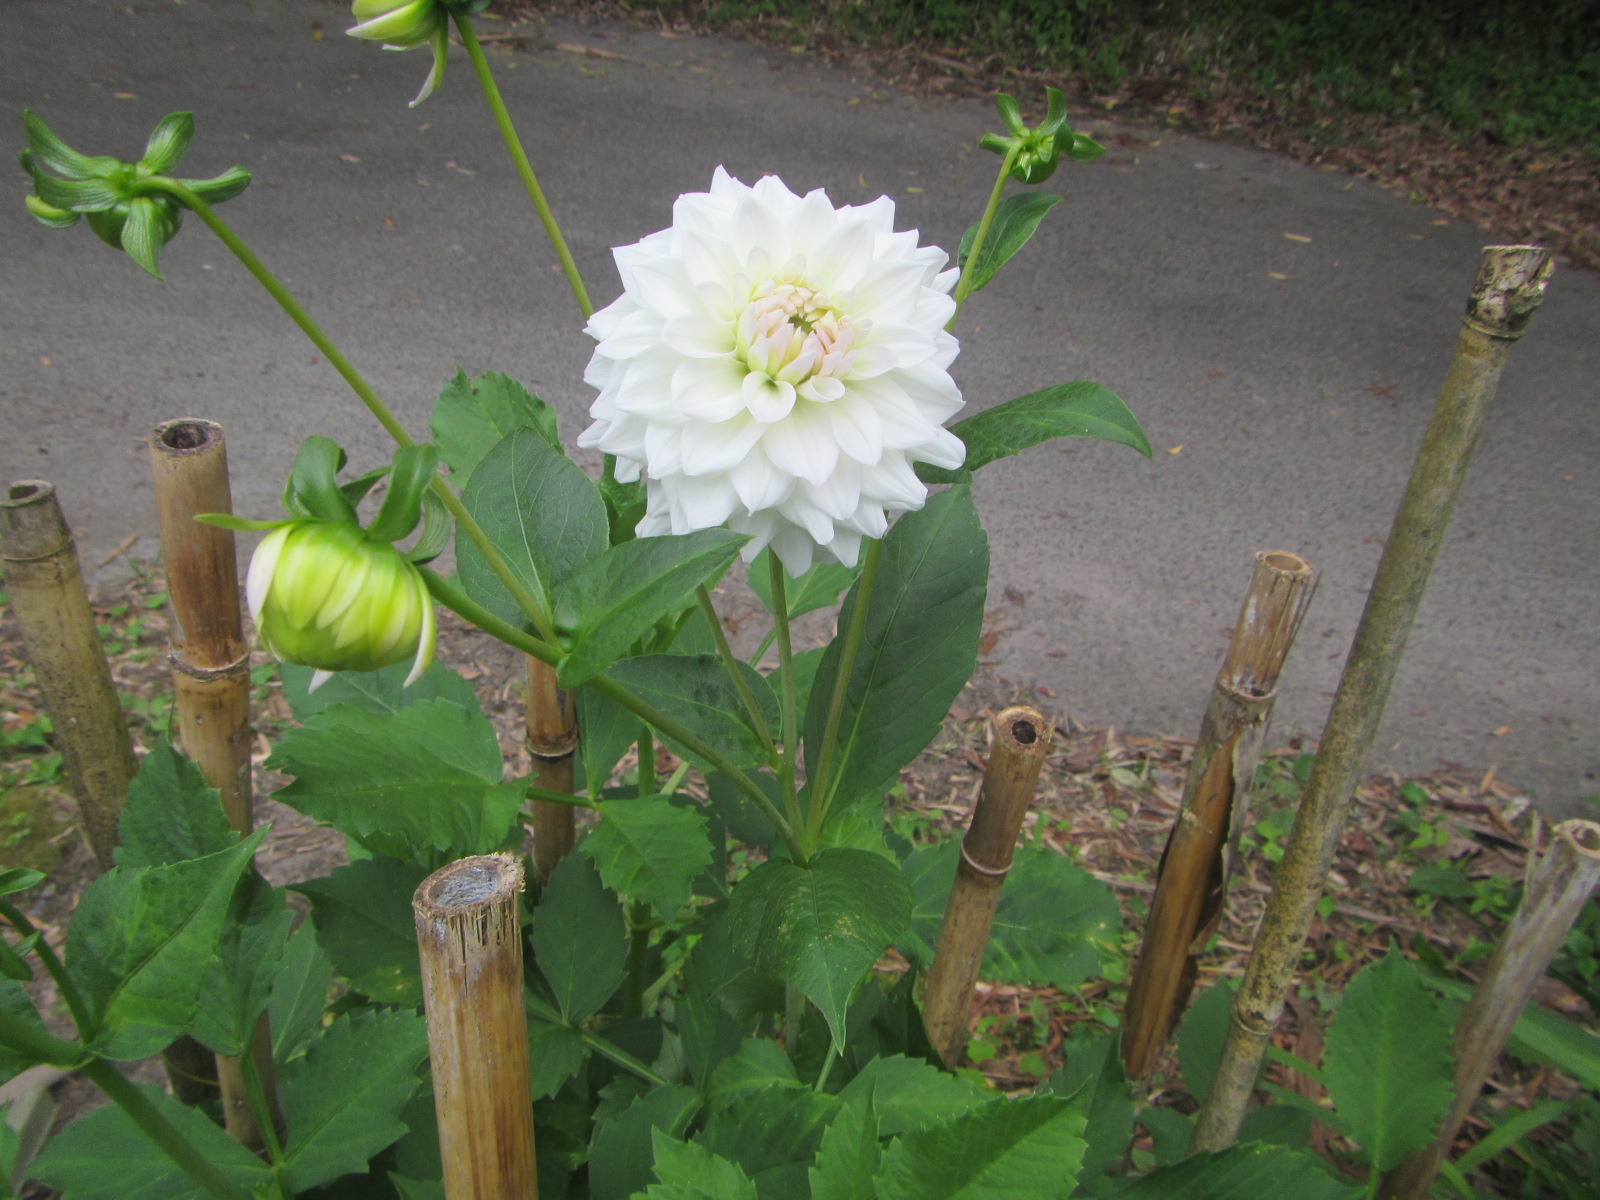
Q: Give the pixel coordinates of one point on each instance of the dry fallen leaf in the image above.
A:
(1297, 237)
(1279, 275)
(349, 158)
(1178, 448)
(1502, 731)
(123, 96)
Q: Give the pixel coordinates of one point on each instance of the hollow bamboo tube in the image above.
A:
(1192, 880)
(1021, 742)
(210, 672)
(61, 641)
(552, 744)
(1561, 885)
(470, 938)
(1507, 291)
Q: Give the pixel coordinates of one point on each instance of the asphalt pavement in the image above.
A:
(1280, 330)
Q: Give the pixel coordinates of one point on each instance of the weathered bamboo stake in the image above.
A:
(1561, 885)
(1192, 880)
(552, 744)
(1021, 742)
(59, 635)
(470, 938)
(1507, 291)
(210, 671)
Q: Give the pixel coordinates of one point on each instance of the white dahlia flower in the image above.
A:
(777, 364)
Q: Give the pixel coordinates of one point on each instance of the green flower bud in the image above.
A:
(1039, 151)
(325, 594)
(403, 25)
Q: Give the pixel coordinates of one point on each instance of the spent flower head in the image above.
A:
(406, 24)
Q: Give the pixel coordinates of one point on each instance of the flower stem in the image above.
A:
(81, 1016)
(740, 684)
(639, 924)
(536, 611)
(969, 268)
(822, 786)
(262, 1113)
(519, 157)
(790, 728)
(598, 1044)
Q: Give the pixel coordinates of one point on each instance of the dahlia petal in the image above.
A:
(709, 449)
(663, 286)
(258, 580)
(794, 548)
(696, 335)
(704, 502)
(663, 456)
(767, 399)
(889, 290)
(708, 389)
(945, 450)
(803, 442)
(846, 545)
(759, 484)
(857, 429)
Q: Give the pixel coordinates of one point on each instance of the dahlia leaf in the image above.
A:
(1015, 221)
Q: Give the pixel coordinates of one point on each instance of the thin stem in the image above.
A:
(262, 1114)
(740, 683)
(766, 643)
(508, 132)
(675, 780)
(32, 1041)
(161, 1131)
(969, 268)
(790, 728)
(81, 1016)
(639, 925)
(595, 1042)
(545, 796)
(647, 764)
(822, 788)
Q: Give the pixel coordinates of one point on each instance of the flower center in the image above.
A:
(791, 332)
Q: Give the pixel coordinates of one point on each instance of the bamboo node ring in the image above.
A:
(991, 872)
(238, 666)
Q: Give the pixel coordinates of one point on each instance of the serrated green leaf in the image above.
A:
(417, 1189)
(622, 1150)
(579, 939)
(362, 913)
(540, 511)
(249, 954)
(820, 927)
(1539, 1036)
(695, 691)
(772, 1134)
(919, 647)
(688, 1171)
(1387, 1061)
(908, 1095)
(1170, 1132)
(342, 1101)
(819, 587)
(1053, 924)
(848, 1158)
(1241, 1173)
(1200, 1036)
(167, 142)
(758, 1064)
(555, 1052)
(426, 778)
(141, 942)
(608, 731)
(171, 814)
(382, 691)
(1027, 1149)
(1081, 409)
(650, 849)
(1015, 221)
(1092, 1074)
(615, 599)
(16, 1003)
(708, 1031)
(472, 416)
(299, 994)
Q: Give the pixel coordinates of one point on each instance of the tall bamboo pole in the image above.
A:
(63, 644)
(1507, 291)
(470, 938)
(210, 672)
(1021, 742)
(1192, 880)
(1561, 885)
(552, 744)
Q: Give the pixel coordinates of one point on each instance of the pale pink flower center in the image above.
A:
(790, 332)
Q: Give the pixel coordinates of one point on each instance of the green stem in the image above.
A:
(822, 787)
(33, 1042)
(161, 1131)
(81, 1016)
(740, 684)
(261, 1113)
(675, 780)
(639, 925)
(596, 1043)
(969, 268)
(647, 764)
(766, 643)
(508, 133)
(545, 796)
(536, 611)
(790, 727)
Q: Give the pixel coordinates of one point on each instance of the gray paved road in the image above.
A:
(1285, 381)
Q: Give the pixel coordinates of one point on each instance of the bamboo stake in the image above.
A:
(210, 673)
(469, 934)
(1192, 880)
(1507, 291)
(59, 635)
(1561, 885)
(552, 744)
(1021, 742)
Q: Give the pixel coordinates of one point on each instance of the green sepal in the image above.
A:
(237, 524)
(413, 470)
(49, 214)
(219, 187)
(1055, 112)
(19, 879)
(1079, 148)
(355, 490)
(994, 142)
(143, 233)
(436, 529)
(311, 490)
(1010, 113)
(52, 154)
(77, 195)
(168, 141)
(12, 963)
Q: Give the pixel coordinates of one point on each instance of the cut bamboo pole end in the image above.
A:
(469, 936)
(63, 644)
(1561, 885)
(1192, 880)
(1021, 743)
(552, 744)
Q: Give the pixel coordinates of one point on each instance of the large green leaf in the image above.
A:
(1053, 924)
(622, 1151)
(1539, 1036)
(708, 1032)
(606, 731)
(543, 515)
(171, 814)
(1200, 1036)
(579, 939)
(695, 691)
(919, 646)
(555, 1052)
(908, 1095)
(820, 927)
(472, 416)
(1241, 1173)
(342, 1100)
(249, 955)
(16, 1003)
(847, 1160)
(1092, 1074)
(1027, 1149)
(141, 943)
(689, 1171)
(650, 849)
(759, 1063)
(426, 778)
(364, 921)
(382, 691)
(299, 994)
(1014, 223)
(817, 588)
(1387, 1061)
(1081, 409)
(615, 599)
(103, 1155)
(772, 1134)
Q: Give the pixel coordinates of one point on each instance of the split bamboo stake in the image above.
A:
(1507, 291)
(469, 935)
(210, 673)
(1021, 742)
(59, 635)
(1192, 880)
(1561, 885)
(552, 745)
